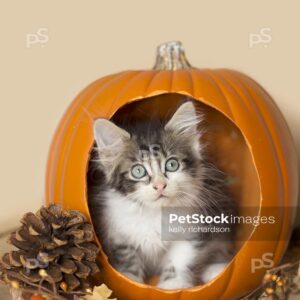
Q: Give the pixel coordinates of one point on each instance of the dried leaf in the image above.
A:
(101, 292)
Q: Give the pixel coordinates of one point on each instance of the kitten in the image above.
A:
(147, 167)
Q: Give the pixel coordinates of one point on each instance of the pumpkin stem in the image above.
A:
(171, 56)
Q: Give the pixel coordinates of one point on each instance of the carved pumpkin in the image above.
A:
(250, 141)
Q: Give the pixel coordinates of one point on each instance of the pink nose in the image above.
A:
(159, 186)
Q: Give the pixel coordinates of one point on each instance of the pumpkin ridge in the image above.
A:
(288, 136)
(191, 82)
(238, 96)
(284, 182)
(74, 131)
(206, 100)
(223, 78)
(181, 83)
(210, 74)
(171, 87)
(278, 167)
(262, 120)
(127, 86)
(247, 97)
(60, 130)
(159, 83)
(242, 96)
(155, 73)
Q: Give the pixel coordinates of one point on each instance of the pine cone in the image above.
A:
(55, 252)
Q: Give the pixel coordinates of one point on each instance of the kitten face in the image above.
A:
(153, 164)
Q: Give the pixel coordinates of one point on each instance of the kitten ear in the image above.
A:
(108, 135)
(110, 140)
(185, 120)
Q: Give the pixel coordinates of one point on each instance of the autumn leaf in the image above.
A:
(101, 292)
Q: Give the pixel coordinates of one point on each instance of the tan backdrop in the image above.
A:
(51, 49)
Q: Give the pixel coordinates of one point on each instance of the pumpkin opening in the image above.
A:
(226, 147)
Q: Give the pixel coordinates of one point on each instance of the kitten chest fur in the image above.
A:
(134, 224)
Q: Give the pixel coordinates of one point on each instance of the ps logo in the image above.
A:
(263, 37)
(266, 262)
(40, 37)
(154, 151)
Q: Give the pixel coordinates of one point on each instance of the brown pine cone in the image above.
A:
(56, 251)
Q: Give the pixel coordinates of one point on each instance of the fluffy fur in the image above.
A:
(126, 210)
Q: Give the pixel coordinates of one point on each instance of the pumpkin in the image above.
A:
(250, 141)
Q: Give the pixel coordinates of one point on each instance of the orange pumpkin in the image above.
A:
(250, 141)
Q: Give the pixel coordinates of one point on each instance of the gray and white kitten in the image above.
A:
(126, 205)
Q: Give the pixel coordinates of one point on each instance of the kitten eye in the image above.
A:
(172, 165)
(138, 171)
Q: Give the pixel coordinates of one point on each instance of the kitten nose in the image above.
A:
(159, 186)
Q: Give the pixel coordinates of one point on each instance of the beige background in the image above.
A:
(88, 39)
